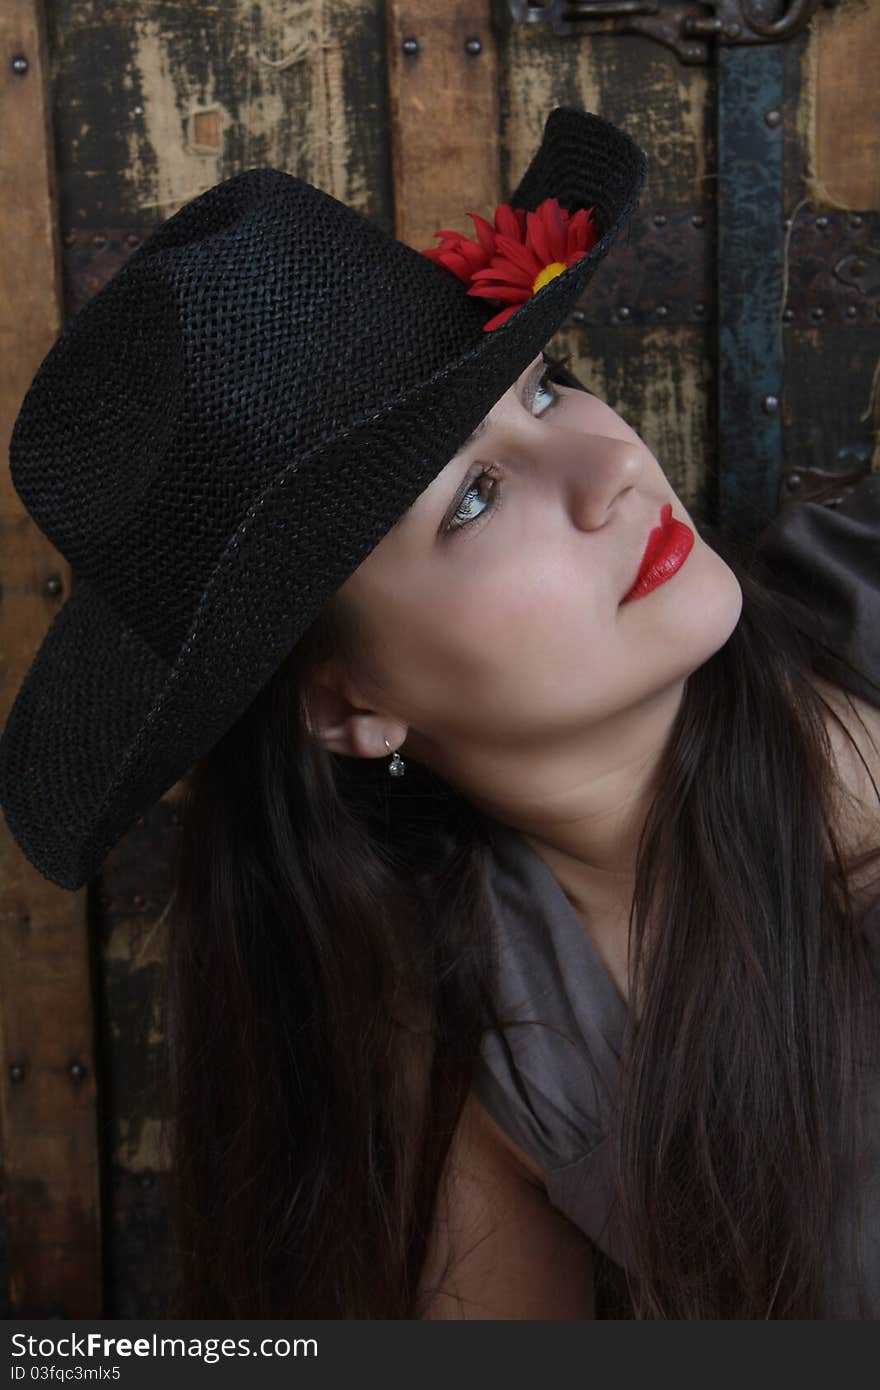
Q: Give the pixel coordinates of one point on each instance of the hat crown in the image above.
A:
(260, 321)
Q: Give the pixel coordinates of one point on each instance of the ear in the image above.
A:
(341, 718)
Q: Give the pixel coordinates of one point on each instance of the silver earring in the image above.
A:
(397, 767)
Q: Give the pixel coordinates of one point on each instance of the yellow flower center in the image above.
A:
(549, 273)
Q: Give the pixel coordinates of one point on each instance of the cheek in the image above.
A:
(500, 643)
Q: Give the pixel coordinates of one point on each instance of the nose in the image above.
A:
(594, 470)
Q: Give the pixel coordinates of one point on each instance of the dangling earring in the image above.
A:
(397, 767)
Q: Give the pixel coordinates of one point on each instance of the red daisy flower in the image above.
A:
(517, 257)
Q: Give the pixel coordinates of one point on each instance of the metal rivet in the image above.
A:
(138, 900)
(473, 46)
(132, 239)
(818, 312)
(698, 220)
(787, 223)
(76, 1071)
(851, 311)
(623, 312)
(857, 221)
(661, 311)
(772, 117)
(732, 31)
(822, 222)
(53, 586)
(99, 239)
(770, 405)
(579, 315)
(699, 308)
(410, 47)
(69, 238)
(16, 1072)
(20, 65)
(787, 315)
(659, 220)
(794, 481)
(137, 110)
(693, 53)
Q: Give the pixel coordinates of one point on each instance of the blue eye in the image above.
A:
(463, 514)
(551, 393)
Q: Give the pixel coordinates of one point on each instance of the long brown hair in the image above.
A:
(329, 976)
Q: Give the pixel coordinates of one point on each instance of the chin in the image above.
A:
(701, 620)
(721, 607)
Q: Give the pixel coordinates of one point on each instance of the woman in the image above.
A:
(648, 740)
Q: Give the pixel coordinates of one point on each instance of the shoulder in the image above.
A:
(488, 1134)
(497, 1247)
(857, 761)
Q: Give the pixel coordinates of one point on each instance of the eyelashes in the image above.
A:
(459, 520)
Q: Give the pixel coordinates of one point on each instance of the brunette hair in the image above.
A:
(329, 977)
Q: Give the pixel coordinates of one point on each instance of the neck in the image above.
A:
(582, 802)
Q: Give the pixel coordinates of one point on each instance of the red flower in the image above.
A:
(519, 255)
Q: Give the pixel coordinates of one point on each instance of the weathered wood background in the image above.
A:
(124, 110)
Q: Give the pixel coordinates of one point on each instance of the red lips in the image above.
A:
(669, 545)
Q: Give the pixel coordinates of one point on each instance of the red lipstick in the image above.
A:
(669, 545)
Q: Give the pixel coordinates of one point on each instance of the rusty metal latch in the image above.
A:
(690, 30)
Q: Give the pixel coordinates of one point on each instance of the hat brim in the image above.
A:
(89, 747)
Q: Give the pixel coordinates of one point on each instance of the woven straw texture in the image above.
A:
(218, 439)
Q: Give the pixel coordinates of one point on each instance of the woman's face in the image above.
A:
(493, 611)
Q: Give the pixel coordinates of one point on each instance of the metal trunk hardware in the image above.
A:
(691, 35)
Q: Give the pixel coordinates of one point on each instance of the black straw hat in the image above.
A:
(219, 438)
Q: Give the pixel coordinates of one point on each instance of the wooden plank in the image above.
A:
(47, 1084)
(631, 80)
(443, 106)
(829, 327)
(132, 903)
(846, 54)
(155, 103)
